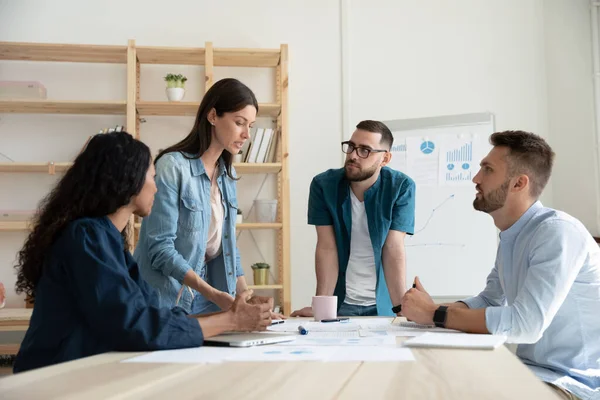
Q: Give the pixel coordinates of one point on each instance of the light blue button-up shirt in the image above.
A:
(544, 293)
(173, 237)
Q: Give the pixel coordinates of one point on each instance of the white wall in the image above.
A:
(527, 61)
(568, 54)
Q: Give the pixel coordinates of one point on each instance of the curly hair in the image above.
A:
(104, 177)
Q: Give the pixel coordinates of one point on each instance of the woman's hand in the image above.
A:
(222, 299)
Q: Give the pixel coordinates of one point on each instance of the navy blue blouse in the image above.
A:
(91, 299)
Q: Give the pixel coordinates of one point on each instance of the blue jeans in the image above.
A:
(351, 310)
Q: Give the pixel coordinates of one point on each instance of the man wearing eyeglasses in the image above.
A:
(362, 213)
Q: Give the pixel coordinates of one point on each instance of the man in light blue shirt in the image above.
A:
(544, 290)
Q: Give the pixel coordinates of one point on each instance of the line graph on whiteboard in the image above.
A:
(421, 229)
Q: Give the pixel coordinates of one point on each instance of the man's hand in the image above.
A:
(303, 312)
(417, 305)
(250, 317)
(266, 300)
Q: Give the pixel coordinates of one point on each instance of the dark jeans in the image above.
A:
(351, 310)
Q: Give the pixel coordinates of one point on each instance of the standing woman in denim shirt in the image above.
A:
(187, 246)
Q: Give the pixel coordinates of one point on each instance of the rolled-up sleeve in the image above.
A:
(318, 214)
(161, 230)
(557, 254)
(115, 306)
(403, 212)
(491, 296)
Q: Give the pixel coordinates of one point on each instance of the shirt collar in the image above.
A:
(516, 228)
(198, 167)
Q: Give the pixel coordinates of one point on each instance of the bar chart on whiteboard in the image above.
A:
(457, 163)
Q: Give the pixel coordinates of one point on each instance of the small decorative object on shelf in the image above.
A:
(261, 273)
(240, 218)
(2, 295)
(175, 86)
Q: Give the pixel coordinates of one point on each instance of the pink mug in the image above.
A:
(324, 307)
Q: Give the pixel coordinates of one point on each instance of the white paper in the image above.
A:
(422, 160)
(343, 334)
(282, 353)
(364, 322)
(313, 326)
(407, 327)
(457, 340)
(457, 160)
(199, 355)
(398, 151)
(334, 341)
(366, 333)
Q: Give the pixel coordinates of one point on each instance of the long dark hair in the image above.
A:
(226, 95)
(104, 177)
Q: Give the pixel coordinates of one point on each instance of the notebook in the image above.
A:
(456, 340)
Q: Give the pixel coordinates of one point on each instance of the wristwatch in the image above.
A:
(397, 309)
(439, 316)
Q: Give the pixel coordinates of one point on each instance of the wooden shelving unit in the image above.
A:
(134, 108)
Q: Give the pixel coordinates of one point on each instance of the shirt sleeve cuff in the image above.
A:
(475, 302)
(320, 221)
(402, 228)
(497, 320)
(177, 271)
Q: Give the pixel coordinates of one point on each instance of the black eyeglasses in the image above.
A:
(362, 152)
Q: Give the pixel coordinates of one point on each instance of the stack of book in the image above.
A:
(261, 147)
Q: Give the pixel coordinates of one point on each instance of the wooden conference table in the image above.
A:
(436, 374)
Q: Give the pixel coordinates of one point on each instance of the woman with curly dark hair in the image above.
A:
(89, 297)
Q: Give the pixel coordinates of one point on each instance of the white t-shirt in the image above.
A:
(361, 278)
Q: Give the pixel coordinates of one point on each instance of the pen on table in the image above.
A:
(336, 319)
(302, 330)
(277, 321)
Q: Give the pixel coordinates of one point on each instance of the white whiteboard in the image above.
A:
(454, 246)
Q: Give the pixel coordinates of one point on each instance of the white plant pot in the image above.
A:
(175, 94)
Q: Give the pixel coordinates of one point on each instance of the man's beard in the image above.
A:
(492, 201)
(359, 174)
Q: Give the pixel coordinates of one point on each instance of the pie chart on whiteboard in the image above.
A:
(427, 147)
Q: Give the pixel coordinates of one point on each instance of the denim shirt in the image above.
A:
(173, 237)
(389, 204)
(544, 293)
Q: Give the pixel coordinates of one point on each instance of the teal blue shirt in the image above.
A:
(389, 204)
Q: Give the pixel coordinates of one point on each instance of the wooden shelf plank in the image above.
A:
(14, 226)
(259, 225)
(190, 108)
(259, 287)
(257, 168)
(246, 57)
(241, 168)
(63, 107)
(223, 57)
(34, 167)
(170, 55)
(63, 52)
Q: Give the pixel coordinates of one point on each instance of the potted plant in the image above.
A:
(261, 273)
(175, 86)
(239, 217)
